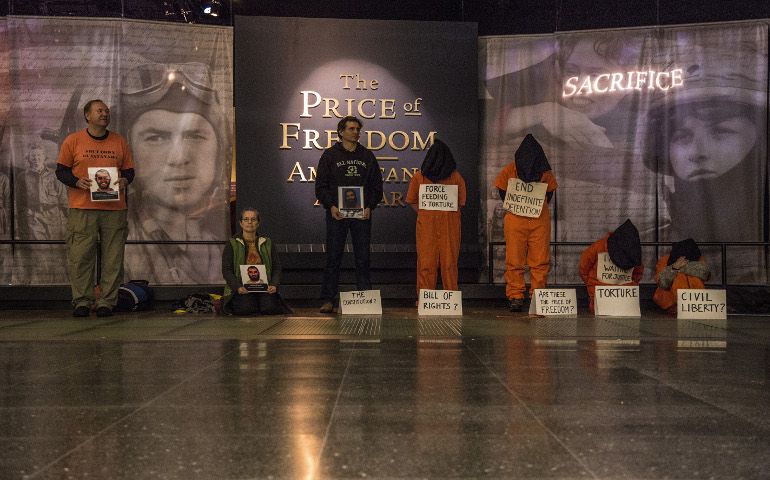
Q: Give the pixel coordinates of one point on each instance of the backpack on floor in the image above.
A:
(133, 296)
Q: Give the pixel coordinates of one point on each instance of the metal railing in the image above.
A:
(722, 245)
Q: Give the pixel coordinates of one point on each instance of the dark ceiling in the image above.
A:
(494, 17)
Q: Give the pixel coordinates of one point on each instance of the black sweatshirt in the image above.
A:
(339, 167)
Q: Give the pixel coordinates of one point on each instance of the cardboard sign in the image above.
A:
(617, 301)
(361, 302)
(698, 303)
(104, 184)
(254, 278)
(609, 273)
(553, 302)
(351, 201)
(525, 199)
(440, 302)
(435, 196)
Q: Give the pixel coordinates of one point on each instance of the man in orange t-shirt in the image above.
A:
(89, 220)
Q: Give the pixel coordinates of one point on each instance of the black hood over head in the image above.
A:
(531, 162)
(685, 248)
(624, 246)
(439, 162)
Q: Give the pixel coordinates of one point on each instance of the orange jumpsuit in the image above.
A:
(438, 236)
(588, 265)
(666, 298)
(527, 240)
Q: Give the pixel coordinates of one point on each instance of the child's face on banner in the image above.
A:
(176, 158)
(706, 148)
(585, 61)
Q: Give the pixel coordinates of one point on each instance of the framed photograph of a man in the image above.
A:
(104, 184)
(254, 278)
(351, 201)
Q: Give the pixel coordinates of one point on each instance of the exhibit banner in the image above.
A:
(666, 126)
(169, 90)
(408, 82)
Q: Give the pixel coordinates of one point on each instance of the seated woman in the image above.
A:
(625, 252)
(249, 248)
(684, 267)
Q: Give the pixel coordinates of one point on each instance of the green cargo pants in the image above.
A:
(84, 227)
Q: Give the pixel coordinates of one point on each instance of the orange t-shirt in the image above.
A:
(509, 172)
(80, 152)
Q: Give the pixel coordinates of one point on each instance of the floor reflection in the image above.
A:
(485, 395)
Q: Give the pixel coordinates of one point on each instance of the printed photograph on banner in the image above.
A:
(709, 137)
(351, 201)
(176, 115)
(104, 184)
(587, 137)
(254, 278)
(657, 126)
(525, 199)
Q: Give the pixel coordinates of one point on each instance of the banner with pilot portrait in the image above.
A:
(169, 90)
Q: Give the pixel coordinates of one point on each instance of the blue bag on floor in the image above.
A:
(133, 296)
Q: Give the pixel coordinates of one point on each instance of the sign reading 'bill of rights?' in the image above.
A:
(525, 199)
(553, 302)
(617, 301)
(435, 196)
(440, 302)
(609, 273)
(696, 303)
(361, 302)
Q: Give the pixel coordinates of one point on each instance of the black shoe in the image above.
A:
(517, 304)
(82, 311)
(104, 312)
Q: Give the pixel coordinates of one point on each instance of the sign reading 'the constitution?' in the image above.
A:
(361, 302)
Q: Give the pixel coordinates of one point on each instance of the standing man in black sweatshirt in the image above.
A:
(347, 164)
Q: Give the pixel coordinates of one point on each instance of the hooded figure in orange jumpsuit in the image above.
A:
(527, 240)
(438, 231)
(684, 267)
(625, 249)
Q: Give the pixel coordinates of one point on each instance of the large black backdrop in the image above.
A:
(428, 68)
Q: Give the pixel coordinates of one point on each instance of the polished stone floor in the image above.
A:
(488, 395)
